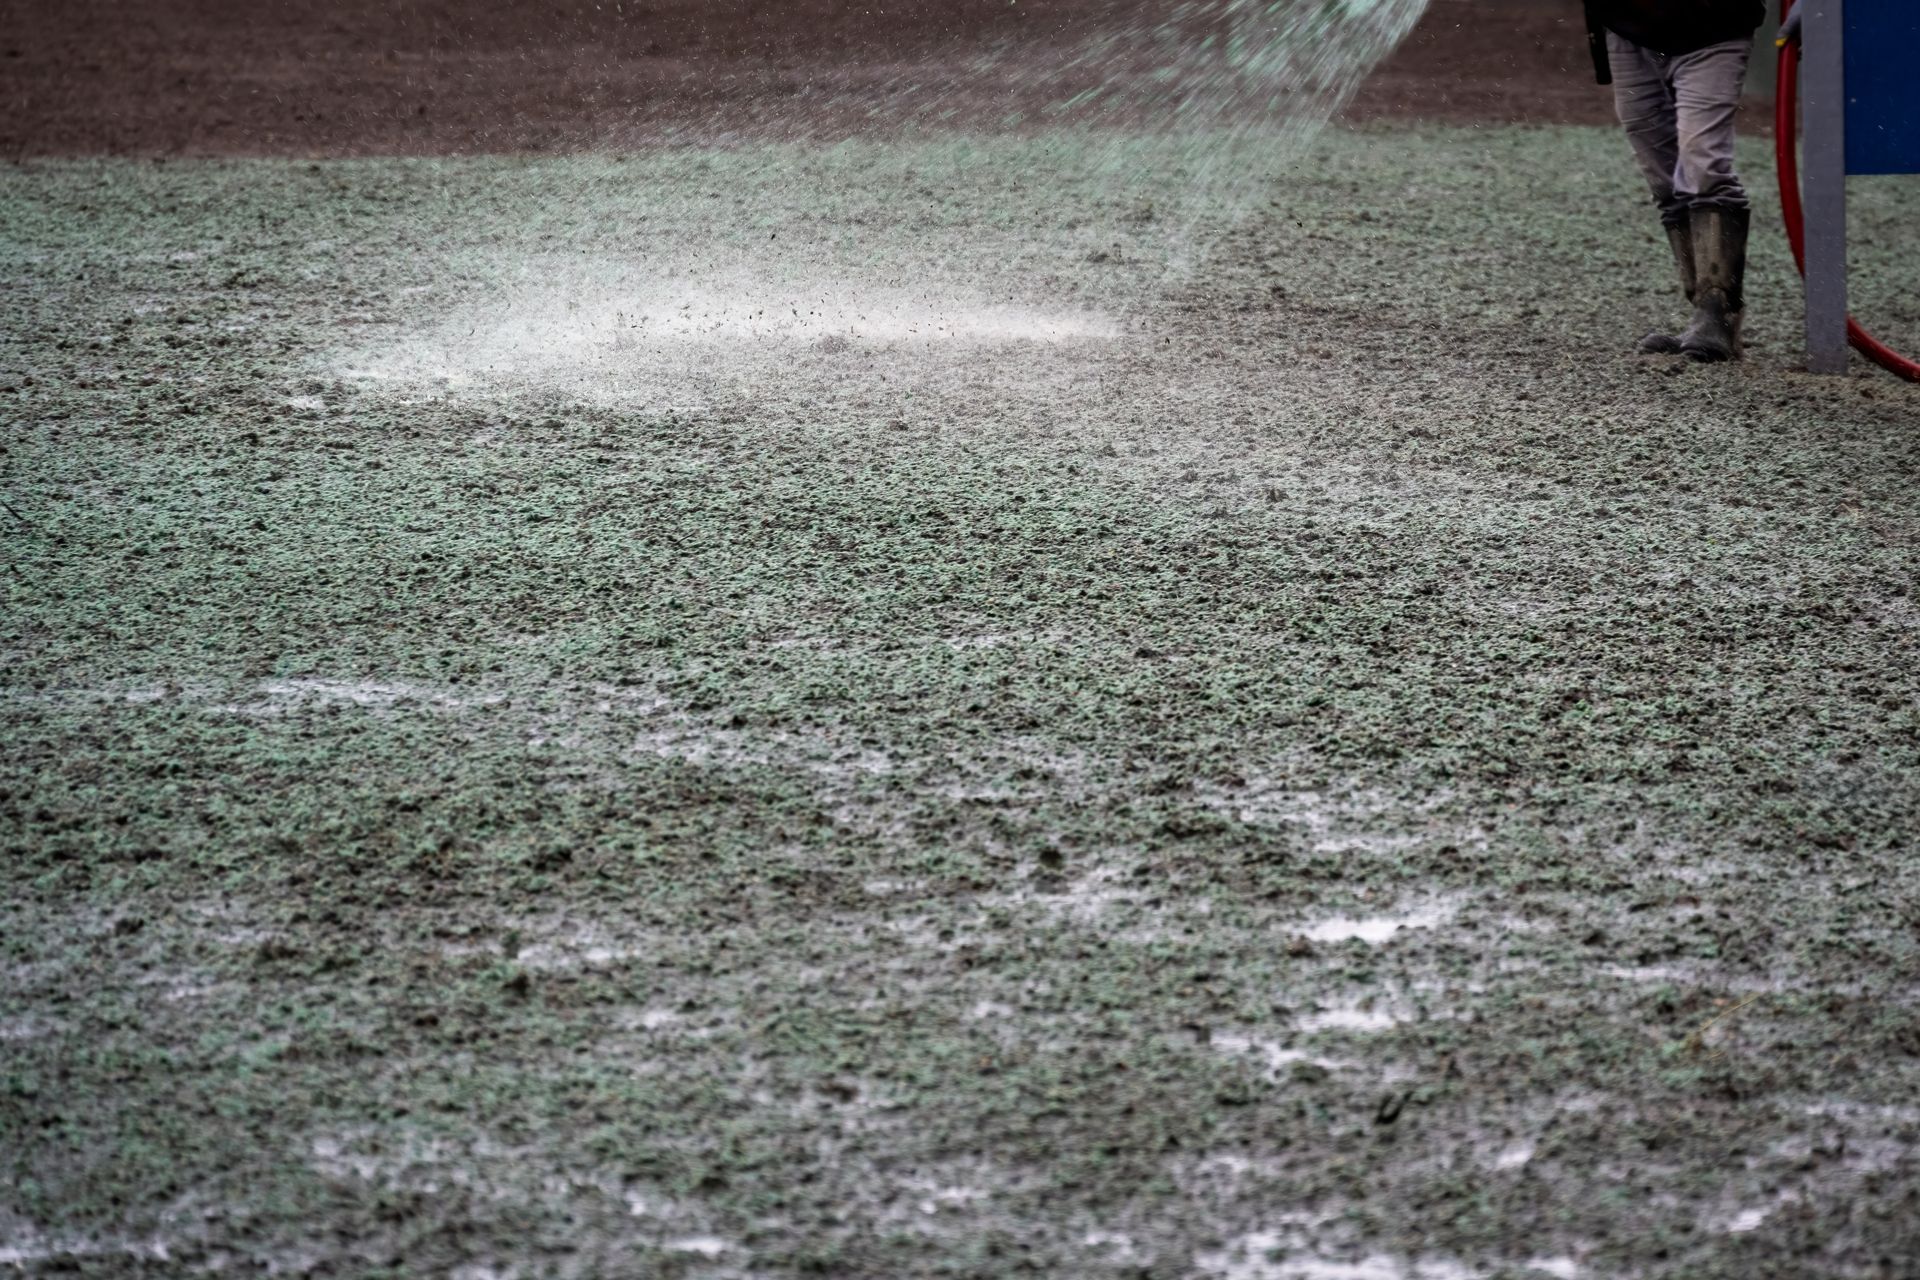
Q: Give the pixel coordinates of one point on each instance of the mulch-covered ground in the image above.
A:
(974, 702)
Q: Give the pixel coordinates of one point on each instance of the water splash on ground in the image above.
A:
(605, 330)
(1159, 123)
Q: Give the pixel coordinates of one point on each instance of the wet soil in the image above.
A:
(1077, 768)
(427, 77)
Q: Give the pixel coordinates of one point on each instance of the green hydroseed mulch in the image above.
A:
(946, 708)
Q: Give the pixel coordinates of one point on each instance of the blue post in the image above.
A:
(1883, 86)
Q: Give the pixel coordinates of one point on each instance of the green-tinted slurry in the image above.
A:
(1294, 780)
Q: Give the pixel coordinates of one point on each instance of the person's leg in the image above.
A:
(1706, 86)
(1643, 96)
(1706, 93)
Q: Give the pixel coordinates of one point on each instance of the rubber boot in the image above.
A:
(1681, 238)
(1719, 300)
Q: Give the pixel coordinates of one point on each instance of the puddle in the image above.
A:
(24, 1027)
(1348, 1018)
(1560, 1268)
(1848, 1109)
(371, 693)
(693, 745)
(331, 1158)
(1082, 900)
(1649, 973)
(1375, 930)
(1276, 1055)
(32, 1248)
(1700, 976)
(555, 958)
(704, 1246)
(1223, 1176)
(396, 1158)
(950, 1199)
(1362, 1018)
(1752, 1217)
(1118, 1245)
(1349, 821)
(641, 1205)
(1266, 1255)
(138, 695)
(1516, 1156)
(696, 744)
(558, 945)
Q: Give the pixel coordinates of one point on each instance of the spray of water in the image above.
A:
(1141, 130)
(1198, 66)
(1230, 90)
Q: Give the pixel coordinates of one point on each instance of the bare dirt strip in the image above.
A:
(378, 77)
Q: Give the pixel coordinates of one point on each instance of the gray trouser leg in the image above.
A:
(1678, 112)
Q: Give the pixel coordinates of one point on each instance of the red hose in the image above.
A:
(1785, 140)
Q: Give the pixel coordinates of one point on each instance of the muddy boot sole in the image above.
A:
(1714, 335)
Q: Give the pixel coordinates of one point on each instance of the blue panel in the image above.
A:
(1883, 86)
